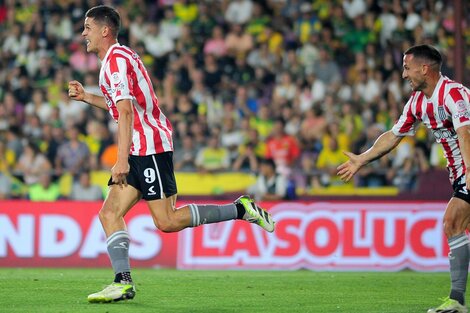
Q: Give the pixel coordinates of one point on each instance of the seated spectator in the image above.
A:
(328, 160)
(73, 155)
(231, 136)
(250, 152)
(7, 158)
(83, 190)
(44, 189)
(185, 158)
(237, 41)
(213, 158)
(108, 156)
(239, 11)
(5, 186)
(32, 164)
(282, 148)
(216, 44)
(269, 185)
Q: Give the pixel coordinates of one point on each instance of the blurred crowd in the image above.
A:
(243, 82)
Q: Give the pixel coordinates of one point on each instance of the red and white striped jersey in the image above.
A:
(123, 76)
(443, 113)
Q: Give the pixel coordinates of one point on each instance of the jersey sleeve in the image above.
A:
(119, 79)
(457, 102)
(405, 126)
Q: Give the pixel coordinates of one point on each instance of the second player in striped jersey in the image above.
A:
(442, 105)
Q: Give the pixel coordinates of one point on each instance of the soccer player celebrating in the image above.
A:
(443, 106)
(144, 167)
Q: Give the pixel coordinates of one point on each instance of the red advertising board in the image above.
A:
(375, 236)
(69, 234)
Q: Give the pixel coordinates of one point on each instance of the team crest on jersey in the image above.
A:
(441, 112)
(116, 78)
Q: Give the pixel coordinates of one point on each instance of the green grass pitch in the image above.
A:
(163, 290)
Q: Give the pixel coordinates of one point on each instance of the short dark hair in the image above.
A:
(426, 53)
(106, 15)
(268, 161)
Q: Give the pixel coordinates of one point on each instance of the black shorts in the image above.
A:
(460, 189)
(152, 175)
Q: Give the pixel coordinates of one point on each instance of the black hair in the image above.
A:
(268, 161)
(106, 15)
(426, 53)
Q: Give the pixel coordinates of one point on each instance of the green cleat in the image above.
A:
(113, 292)
(255, 214)
(449, 306)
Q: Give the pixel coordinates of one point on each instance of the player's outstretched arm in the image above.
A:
(383, 145)
(77, 92)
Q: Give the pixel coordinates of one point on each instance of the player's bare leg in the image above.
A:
(119, 201)
(456, 219)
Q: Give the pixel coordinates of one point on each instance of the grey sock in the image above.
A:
(208, 213)
(459, 257)
(118, 251)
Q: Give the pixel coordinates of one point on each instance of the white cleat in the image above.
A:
(113, 292)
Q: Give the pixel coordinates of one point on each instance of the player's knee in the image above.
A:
(451, 228)
(107, 215)
(166, 225)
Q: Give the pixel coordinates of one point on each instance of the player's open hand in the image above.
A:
(119, 173)
(347, 170)
(76, 91)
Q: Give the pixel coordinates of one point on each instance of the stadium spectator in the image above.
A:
(354, 8)
(187, 11)
(213, 158)
(239, 11)
(72, 155)
(44, 189)
(231, 137)
(80, 61)
(328, 160)
(327, 70)
(84, 190)
(39, 106)
(238, 41)
(157, 43)
(282, 148)
(171, 26)
(5, 186)
(185, 158)
(31, 164)
(269, 186)
(216, 44)
(59, 26)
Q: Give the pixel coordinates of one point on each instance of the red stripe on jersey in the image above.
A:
(409, 116)
(431, 116)
(455, 94)
(419, 107)
(441, 92)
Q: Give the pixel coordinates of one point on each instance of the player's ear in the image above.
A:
(105, 31)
